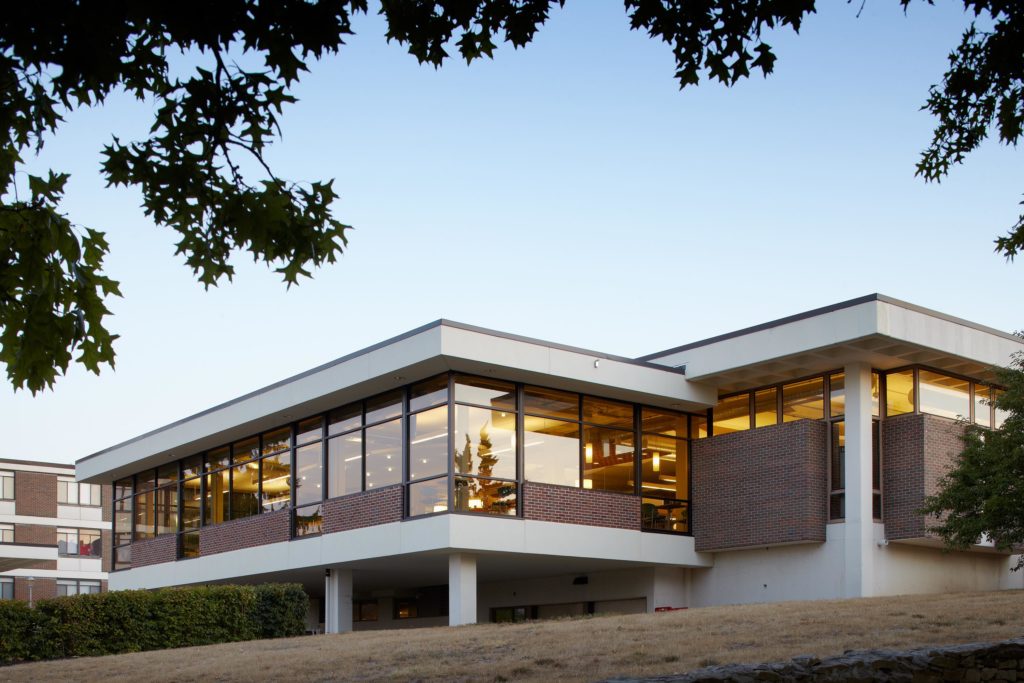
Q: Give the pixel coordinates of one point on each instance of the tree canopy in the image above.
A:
(982, 495)
(210, 125)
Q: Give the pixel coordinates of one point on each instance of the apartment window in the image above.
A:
(76, 587)
(79, 543)
(6, 533)
(70, 492)
(365, 610)
(6, 485)
(6, 589)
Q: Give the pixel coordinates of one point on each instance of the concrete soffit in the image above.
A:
(882, 332)
(417, 355)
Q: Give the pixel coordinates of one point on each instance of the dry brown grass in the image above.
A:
(572, 650)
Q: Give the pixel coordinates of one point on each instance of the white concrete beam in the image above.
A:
(338, 600)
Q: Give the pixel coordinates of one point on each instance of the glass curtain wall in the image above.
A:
(665, 471)
(483, 449)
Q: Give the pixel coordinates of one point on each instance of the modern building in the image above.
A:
(54, 532)
(455, 474)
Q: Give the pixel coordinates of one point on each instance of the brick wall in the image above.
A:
(107, 498)
(571, 505)
(761, 487)
(42, 589)
(272, 527)
(369, 508)
(107, 549)
(35, 534)
(35, 494)
(916, 451)
(155, 550)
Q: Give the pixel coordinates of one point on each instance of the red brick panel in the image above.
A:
(35, 493)
(761, 487)
(917, 450)
(107, 550)
(107, 498)
(42, 589)
(272, 527)
(35, 534)
(369, 508)
(155, 550)
(570, 505)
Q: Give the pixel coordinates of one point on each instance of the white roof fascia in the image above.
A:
(408, 358)
(876, 318)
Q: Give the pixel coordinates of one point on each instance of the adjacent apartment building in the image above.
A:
(54, 532)
(455, 474)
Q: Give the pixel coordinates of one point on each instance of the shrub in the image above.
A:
(132, 621)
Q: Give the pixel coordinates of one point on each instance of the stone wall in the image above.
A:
(974, 662)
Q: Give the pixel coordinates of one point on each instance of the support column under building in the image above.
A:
(859, 550)
(461, 589)
(338, 600)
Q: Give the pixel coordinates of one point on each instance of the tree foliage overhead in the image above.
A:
(983, 495)
(215, 123)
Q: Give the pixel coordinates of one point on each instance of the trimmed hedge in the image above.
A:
(133, 621)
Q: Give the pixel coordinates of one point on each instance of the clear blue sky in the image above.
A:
(567, 191)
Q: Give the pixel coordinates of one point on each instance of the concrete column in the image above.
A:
(338, 601)
(461, 589)
(859, 574)
(669, 588)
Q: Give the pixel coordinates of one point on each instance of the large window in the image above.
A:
(665, 471)
(922, 390)
(70, 492)
(6, 533)
(837, 451)
(6, 485)
(77, 587)
(79, 543)
(484, 446)
(6, 589)
(800, 400)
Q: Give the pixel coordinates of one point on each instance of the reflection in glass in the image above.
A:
(309, 474)
(384, 407)
(347, 418)
(732, 414)
(191, 467)
(167, 474)
(608, 413)
(217, 488)
(1001, 414)
(664, 422)
(899, 392)
(123, 557)
(428, 497)
(146, 480)
(766, 408)
(276, 475)
(428, 443)
(481, 391)
(665, 468)
(876, 383)
(982, 406)
(123, 521)
(166, 501)
(309, 520)
(145, 516)
(218, 459)
(486, 496)
(804, 400)
(484, 442)
(191, 503)
(123, 487)
(428, 393)
(309, 431)
(699, 426)
(837, 465)
(245, 486)
(277, 441)
(384, 454)
(665, 514)
(551, 402)
(245, 450)
(551, 451)
(345, 465)
(608, 457)
(944, 396)
(190, 544)
(837, 394)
